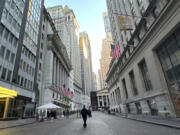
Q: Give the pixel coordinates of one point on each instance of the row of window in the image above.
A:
(8, 36)
(17, 6)
(7, 54)
(26, 67)
(28, 54)
(11, 20)
(5, 74)
(145, 77)
(23, 82)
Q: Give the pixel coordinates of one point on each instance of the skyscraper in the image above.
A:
(86, 63)
(19, 28)
(107, 25)
(105, 52)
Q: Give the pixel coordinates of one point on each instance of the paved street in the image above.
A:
(99, 124)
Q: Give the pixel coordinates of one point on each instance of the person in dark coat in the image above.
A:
(84, 113)
(89, 112)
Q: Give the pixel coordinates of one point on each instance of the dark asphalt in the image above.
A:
(99, 124)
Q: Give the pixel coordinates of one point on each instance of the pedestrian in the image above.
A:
(67, 114)
(89, 112)
(84, 113)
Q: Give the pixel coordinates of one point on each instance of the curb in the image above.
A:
(20, 125)
(156, 123)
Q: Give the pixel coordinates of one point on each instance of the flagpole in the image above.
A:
(150, 18)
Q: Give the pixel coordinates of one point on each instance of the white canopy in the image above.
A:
(49, 106)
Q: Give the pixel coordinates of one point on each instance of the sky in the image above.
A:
(89, 14)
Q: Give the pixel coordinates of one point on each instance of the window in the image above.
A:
(15, 42)
(133, 83)
(42, 36)
(169, 55)
(144, 71)
(10, 18)
(27, 68)
(7, 55)
(6, 33)
(12, 58)
(25, 83)
(18, 79)
(10, 38)
(39, 66)
(39, 77)
(40, 55)
(1, 29)
(42, 45)
(125, 88)
(2, 51)
(24, 66)
(3, 75)
(5, 12)
(9, 75)
(22, 81)
(28, 85)
(43, 27)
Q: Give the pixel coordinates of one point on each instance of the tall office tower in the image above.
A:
(86, 63)
(68, 27)
(19, 34)
(105, 52)
(107, 25)
(105, 60)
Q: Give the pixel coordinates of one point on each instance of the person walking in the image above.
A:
(89, 112)
(67, 114)
(84, 113)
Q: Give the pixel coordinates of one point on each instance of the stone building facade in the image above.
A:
(102, 99)
(145, 79)
(54, 66)
(68, 28)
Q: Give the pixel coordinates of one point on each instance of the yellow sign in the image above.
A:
(125, 23)
(5, 91)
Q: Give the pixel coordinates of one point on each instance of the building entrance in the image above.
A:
(2, 108)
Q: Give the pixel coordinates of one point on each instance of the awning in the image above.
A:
(4, 92)
(49, 106)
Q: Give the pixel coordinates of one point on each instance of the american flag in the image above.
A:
(64, 89)
(115, 50)
(68, 92)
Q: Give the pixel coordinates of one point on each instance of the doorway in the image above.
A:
(2, 107)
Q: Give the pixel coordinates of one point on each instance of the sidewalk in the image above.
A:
(22, 122)
(173, 123)
(15, 123)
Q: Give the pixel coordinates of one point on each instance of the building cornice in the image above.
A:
(55, 44)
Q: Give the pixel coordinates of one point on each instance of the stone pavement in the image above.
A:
(173, 123)
(15, 123)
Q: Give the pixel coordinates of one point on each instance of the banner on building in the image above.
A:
(125, 23)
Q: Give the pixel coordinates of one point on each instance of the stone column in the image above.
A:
(60, 68)
(54, 71)
(58, 79)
